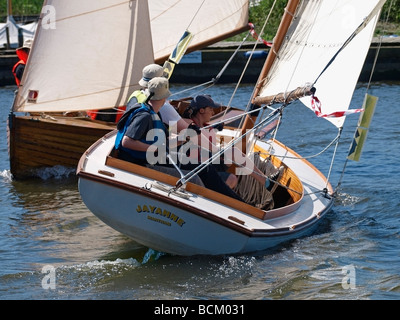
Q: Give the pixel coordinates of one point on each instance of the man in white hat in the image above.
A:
(136, 145)
(168, 113)
(133, 143)
(149, 72)
(19, 67)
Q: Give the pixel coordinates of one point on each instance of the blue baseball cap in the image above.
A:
(203, 101)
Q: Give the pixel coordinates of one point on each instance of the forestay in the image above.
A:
(319, 31)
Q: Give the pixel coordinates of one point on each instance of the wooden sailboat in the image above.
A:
(89, 55)
(317, 48)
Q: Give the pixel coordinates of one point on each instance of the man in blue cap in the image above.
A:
(200, 111)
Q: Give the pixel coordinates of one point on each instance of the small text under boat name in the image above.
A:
(162, 213)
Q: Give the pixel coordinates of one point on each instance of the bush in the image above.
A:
(259, 13)
(21, 8)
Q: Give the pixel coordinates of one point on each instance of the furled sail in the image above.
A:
(94, 55)
(318, 32)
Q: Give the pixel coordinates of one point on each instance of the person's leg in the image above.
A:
(229, 178)
(213, 181)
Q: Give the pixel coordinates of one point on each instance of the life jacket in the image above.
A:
(23, 56)
(108, 115)
(139, 95)
(127, 120)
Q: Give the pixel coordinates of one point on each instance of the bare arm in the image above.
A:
(137, 145)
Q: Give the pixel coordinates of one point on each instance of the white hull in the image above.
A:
(194, 225)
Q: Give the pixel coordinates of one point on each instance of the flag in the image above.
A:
(362, 128)
(181, 47)
(177, 54)
(357, 144)
(257, 37)
(316, 107)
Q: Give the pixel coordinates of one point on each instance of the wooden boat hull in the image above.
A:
(35, 142)
(193, 223)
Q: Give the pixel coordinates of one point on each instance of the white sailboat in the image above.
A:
(89, 55)
(319, 45)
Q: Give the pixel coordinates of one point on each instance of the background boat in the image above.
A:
(65, 77)
(12, 35)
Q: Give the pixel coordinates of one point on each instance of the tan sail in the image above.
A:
(210, 21)
(86, 61)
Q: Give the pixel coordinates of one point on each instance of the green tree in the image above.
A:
(257, 14)
(389, 24)
(21, 7)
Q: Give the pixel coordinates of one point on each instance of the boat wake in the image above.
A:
(115, 265)
(56, 172)
(6, 174)
(346, 199)
(67, 280)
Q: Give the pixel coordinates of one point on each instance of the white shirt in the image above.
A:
(169, 114)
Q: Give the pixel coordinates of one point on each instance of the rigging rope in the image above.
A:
(379, 45)
(190, 23)
(213, 81)
(314, 155)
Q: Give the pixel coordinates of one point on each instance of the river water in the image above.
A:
(52, 247)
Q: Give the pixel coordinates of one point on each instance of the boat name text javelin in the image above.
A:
(162, 212)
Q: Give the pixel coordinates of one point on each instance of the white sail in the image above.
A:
(320, 29)
(209, 21)
(86, 55)
(94, 56)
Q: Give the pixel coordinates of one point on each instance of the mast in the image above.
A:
(280, 35)
(9, 8)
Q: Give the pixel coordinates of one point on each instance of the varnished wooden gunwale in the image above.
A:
(193, 188)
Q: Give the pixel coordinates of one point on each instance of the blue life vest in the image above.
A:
(157, 124)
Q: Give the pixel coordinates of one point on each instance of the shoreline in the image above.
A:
(204, 65)
(209, 61)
